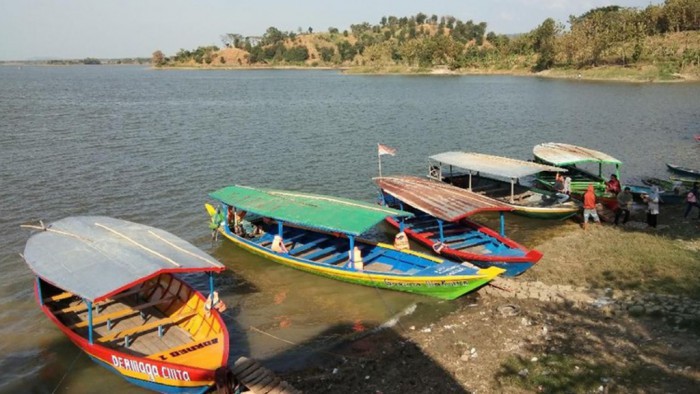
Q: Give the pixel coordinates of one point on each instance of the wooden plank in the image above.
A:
(58, 297)
(148, 326)
(123, 312)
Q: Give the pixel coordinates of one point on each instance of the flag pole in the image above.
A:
(379, 160)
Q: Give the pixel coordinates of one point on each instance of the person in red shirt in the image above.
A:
(589, 206)
(613, 185)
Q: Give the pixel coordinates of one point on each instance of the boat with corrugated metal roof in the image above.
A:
(502, 179)
(441, 223)
(111, 287)
(323, 235)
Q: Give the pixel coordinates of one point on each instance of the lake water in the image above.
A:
(148, 146)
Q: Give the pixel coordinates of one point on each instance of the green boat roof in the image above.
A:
(311, 210)
(565, 154)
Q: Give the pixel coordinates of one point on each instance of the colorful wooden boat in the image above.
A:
(441, 223)
(499, 178)
(110, 286)
(569, 156)
(320, 235)
(684, 171)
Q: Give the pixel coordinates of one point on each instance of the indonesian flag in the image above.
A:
(385, 150)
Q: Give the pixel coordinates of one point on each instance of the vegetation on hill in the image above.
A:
(663, 39)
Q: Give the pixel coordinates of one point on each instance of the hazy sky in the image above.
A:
(77, 29)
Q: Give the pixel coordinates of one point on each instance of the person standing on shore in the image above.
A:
(691, 200)
(589, 206)
(624, 203)
(652, 201)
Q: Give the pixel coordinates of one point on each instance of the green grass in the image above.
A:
(661, 261)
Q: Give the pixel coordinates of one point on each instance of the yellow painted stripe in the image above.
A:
(372, 276)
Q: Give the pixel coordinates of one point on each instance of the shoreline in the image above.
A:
(569, 324)
(638, 75)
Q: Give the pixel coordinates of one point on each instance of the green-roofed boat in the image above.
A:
(321, 235)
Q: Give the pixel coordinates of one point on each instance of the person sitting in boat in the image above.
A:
(238, 222)
(278, 245)
(560, 188)
(401, 241)
(356, 258)
(613, 185)
(230, 217)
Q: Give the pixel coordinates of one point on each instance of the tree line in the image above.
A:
(607, 35)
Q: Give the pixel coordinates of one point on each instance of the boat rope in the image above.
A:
(70, 367)
(138, 244)
(42, 227)
(181, 249)
(349, 336)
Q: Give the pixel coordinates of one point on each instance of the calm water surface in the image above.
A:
(148, 146)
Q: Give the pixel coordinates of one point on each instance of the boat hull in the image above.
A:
(684, 171)
(166, 373)
(545, 213)
(515, 263)
(446, 287)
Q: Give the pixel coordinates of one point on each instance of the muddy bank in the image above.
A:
(513, 345)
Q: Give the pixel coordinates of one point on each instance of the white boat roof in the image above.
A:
(95, 257)
(565, 154)
(493, 165)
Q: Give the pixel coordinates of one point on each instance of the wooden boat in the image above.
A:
(684, 171)
(110, 286)
(673, 196)
(441, 223)
(499, 179)
(569, 156)
(320, 235)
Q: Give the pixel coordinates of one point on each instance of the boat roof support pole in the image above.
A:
(38, 289)
(600, 169)
(512, 190)
(280, 227)
(89, 310)
(211, 285)
(617, 171)
(442, 232)
(401, 224)
(470, 180)
(503, 224)
(351, 259)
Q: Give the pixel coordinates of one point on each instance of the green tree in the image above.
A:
(543, 43)
(158, 59)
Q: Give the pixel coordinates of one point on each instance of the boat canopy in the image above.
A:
(565, 154)
(493, 165)
(310, 210)
(95, 257)
(438, 199)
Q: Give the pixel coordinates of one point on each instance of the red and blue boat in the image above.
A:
(440, 223)
(111, 287)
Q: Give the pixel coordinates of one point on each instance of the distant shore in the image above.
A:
(638, 74)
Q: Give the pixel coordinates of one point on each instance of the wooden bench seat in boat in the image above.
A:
(147, 327)
(83, 307)
(121, 313)
(319, 253)
(333, 260)
(304, 247)
(470, 243)
(58, 297)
